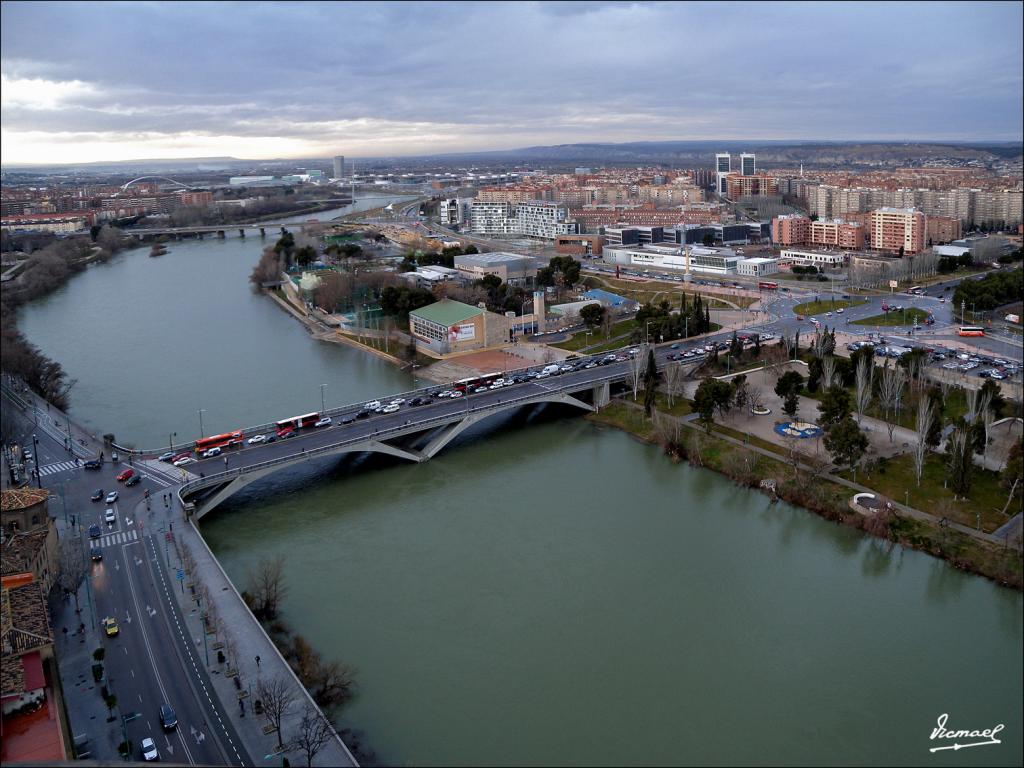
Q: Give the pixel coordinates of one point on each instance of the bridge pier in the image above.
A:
(263, 232)
(199, 235)
(601, 395)
(241, 232)
(220, 234)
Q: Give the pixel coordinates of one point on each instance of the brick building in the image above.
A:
(893, 229)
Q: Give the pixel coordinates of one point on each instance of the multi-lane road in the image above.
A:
(153, 660)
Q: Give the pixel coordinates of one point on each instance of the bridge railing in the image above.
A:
(332, 412)
(412, 426)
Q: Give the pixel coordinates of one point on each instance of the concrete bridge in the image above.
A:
(413, 434)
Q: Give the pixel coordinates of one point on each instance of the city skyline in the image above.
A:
(201, 80)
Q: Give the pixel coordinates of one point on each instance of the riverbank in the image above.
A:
(753, 465)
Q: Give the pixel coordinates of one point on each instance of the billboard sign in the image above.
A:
(464, 332)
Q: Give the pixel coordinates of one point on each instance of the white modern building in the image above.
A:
(339, 166)
(723, 167)
(454, 210)
(488, 218)
(748, 166)
(718, 261)
(540, 218)
(825, 259)
(757, 267)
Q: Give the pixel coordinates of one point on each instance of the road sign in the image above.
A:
(180, 575)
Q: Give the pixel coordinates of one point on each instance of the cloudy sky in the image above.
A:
(87, 81)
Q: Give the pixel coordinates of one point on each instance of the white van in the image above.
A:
(549, 369)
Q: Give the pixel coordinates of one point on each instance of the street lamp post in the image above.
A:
(323, 407)
(35, 456)
(200, 412)
(647, 332)
(170, 440)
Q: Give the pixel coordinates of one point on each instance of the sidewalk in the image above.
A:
(249, 641)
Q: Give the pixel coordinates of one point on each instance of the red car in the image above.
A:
(125, 475)
(178, 457)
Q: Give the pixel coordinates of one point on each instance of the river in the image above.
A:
(544, 591)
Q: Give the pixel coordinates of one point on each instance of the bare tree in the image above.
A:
(314, 732)
(890, 394)
(71, 559)
(925, 414)
(673, 381)
(986, 416)
(276, 694)
(637, 365)
(267, 587)
(828, 371)
(668, 428)
(972, 396)
(756, 398)
(865, 374)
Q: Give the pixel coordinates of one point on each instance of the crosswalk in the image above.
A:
(60, 466)
(113, 539)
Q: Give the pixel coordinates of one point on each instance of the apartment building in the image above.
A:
(791, 229)
(837, 233)
(738, 185)
(898, 230)
(943, 229)
(491, 218)
(537, 218)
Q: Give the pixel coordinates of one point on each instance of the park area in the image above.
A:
(817, 307)
(908, 316)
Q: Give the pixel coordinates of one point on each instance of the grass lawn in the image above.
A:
(817, 307)
(894, 477)
(633, 420)
(654, 291)
(680, 406)
(580, 339)
(750, 439)
(907, 317)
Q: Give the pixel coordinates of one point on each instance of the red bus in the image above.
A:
(297, 422)
(219, 441)
(765, 285)
(971, 330)
(464, 385)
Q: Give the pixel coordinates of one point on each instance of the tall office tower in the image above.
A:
(747, 164)
(339, 166)
(723, 167)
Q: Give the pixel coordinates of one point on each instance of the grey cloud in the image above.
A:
(521, 69)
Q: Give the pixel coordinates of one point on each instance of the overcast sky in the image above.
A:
(110, 81)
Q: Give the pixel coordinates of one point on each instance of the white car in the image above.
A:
(372, 404)
(324, 422)
(209, 453)
(149, 750)
(951, 366)
(828, 314)
(257, 439)
(389, 408)
(111, 497)
(455, 394)
(109, 516)
(183, 461)
(840, 311)
(398, 401)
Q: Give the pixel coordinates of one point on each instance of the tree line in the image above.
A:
(991, 291)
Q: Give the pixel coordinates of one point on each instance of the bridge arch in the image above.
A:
(447, 428)
(124, 187)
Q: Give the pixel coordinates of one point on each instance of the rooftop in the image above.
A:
(14, 499)
(26, 625)
(447, 312)
(20, 550)
(487, 259)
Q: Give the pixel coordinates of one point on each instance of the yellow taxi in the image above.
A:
(110, 626)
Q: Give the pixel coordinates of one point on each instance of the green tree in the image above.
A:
(592, 315)
(845, 442)
(305, 255)
(705, 400)
(470, 249)
(651, 378)
(835, 406)
(791, 404)
(959, 462)
(740, 391)
(789, 383)
(736, 346)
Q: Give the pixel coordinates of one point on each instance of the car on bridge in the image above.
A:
(372, 404)
(209, 453)
(323, 422)
(184, 460)
(257, 439)
(284, 435)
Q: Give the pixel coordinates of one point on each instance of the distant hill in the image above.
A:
(769, 153)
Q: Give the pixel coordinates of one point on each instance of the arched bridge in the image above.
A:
(414, 434)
